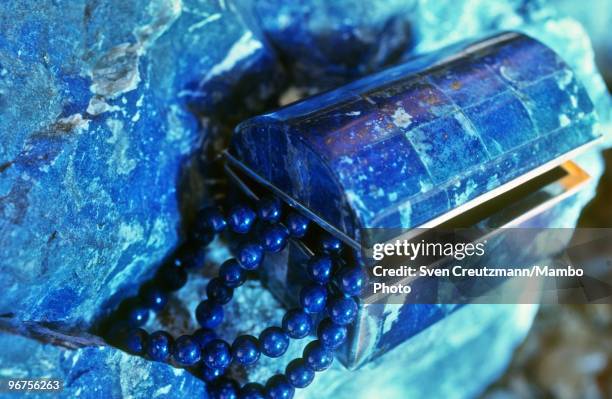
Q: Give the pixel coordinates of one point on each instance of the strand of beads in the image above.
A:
(232, 273)
(171, 277)
(216, 354)
(297, 323)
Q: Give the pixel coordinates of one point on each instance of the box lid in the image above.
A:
(412, 145)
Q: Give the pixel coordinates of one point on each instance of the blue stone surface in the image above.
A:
(94, 371)
(98, 139)
(327, 43)
(399, 148)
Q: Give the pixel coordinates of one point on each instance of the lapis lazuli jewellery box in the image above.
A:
(419, 145)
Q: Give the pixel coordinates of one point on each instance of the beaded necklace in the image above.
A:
(329, 297)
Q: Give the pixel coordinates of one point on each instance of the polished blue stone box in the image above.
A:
(401, 147)
(414, 146)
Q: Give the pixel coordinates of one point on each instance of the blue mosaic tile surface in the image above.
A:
(401, 147)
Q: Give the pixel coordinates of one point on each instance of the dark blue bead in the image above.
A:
(136, 341)
(278, 387)
(299, 374)
(342, 311)
(209, 314)
(186, 351)
(351, 281)
(218, 292)
(297, 323)
(159, 346)
(331, 334)
(274, 238)
(210, 375)
(203, 336)
(313, 298)
(153, 297)
(171, 278)
(241, 219)
(297, 225)
(245, 349)
(223, 388)
(330, 244)
(252, 391)
(273, 342)
(269, 209)
(317, 357)
(250, 255)
(319, 269)
(138, 315)
(231, 273)
(217, 354)
(211, 219)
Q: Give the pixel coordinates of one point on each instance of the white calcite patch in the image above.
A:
(122, 164)
(177, 132)
(564, 79)
(204, 22)
(401, 118)
(97, 106)
(159, 232)
(392, 312)
(244, 47)
(357, 203)
(162, 391)
(130, 234)
(75, 122)
(564, 120)
(117, 71)
(470, 187)
(405, 211)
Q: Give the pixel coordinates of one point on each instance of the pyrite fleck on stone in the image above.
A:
(96, 134)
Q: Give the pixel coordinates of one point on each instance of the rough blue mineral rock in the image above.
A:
(94, 372)
(96, 136)
(326, 43)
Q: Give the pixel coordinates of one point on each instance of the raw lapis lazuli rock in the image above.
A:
(327, 43)
(97, 129)
(94, 372)
(404, 146)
